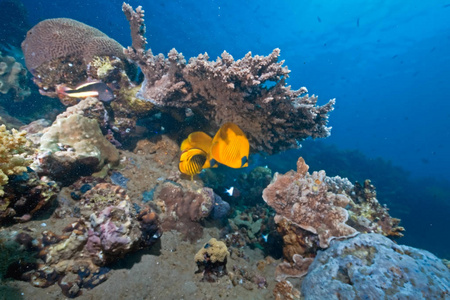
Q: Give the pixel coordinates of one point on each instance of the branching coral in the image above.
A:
(251, 92)
(14, 151)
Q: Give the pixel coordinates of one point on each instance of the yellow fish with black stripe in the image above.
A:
(199, 151)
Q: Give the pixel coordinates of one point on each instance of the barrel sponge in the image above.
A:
(62, 37)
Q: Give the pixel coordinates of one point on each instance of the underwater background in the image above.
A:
(386, 62)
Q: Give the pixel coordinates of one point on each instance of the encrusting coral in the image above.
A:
(74, 146)
(250, 92)
(14, 154)
(211, 259)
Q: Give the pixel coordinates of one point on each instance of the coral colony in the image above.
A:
(328, 231)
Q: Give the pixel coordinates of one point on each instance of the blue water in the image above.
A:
(386, 62)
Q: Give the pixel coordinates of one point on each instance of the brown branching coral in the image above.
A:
(251, 92)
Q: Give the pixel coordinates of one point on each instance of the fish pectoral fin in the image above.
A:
(244, 162)
(213, 163)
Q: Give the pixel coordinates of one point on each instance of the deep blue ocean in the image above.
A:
(387, 63)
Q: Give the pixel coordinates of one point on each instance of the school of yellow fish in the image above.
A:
(199, 151)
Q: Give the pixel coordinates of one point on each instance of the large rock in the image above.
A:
(371, 266)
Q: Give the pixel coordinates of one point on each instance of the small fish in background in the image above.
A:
(96, 89)
(318, 19)
(357, 22)
(230, 191)
(233, 192)
(199, 151)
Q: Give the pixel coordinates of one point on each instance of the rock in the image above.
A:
(371, 266)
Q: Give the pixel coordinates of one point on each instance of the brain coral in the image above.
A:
(56, 38)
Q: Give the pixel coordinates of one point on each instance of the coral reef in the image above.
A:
(13, 78)
(372, 266)
(211, 259)
(14, 154)
(284, 290)
(313, 209)
(108, 228)
(73, 147)
(226, 90)
(367, 215)
(299, 268)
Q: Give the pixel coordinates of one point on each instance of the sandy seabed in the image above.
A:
(166, 271)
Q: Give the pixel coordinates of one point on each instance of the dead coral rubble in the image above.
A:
(274, 118)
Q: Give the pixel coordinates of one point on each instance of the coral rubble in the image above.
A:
(274, 118)
(373, 267)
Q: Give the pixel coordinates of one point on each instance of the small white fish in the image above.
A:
(230, 191)
(265, 237)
